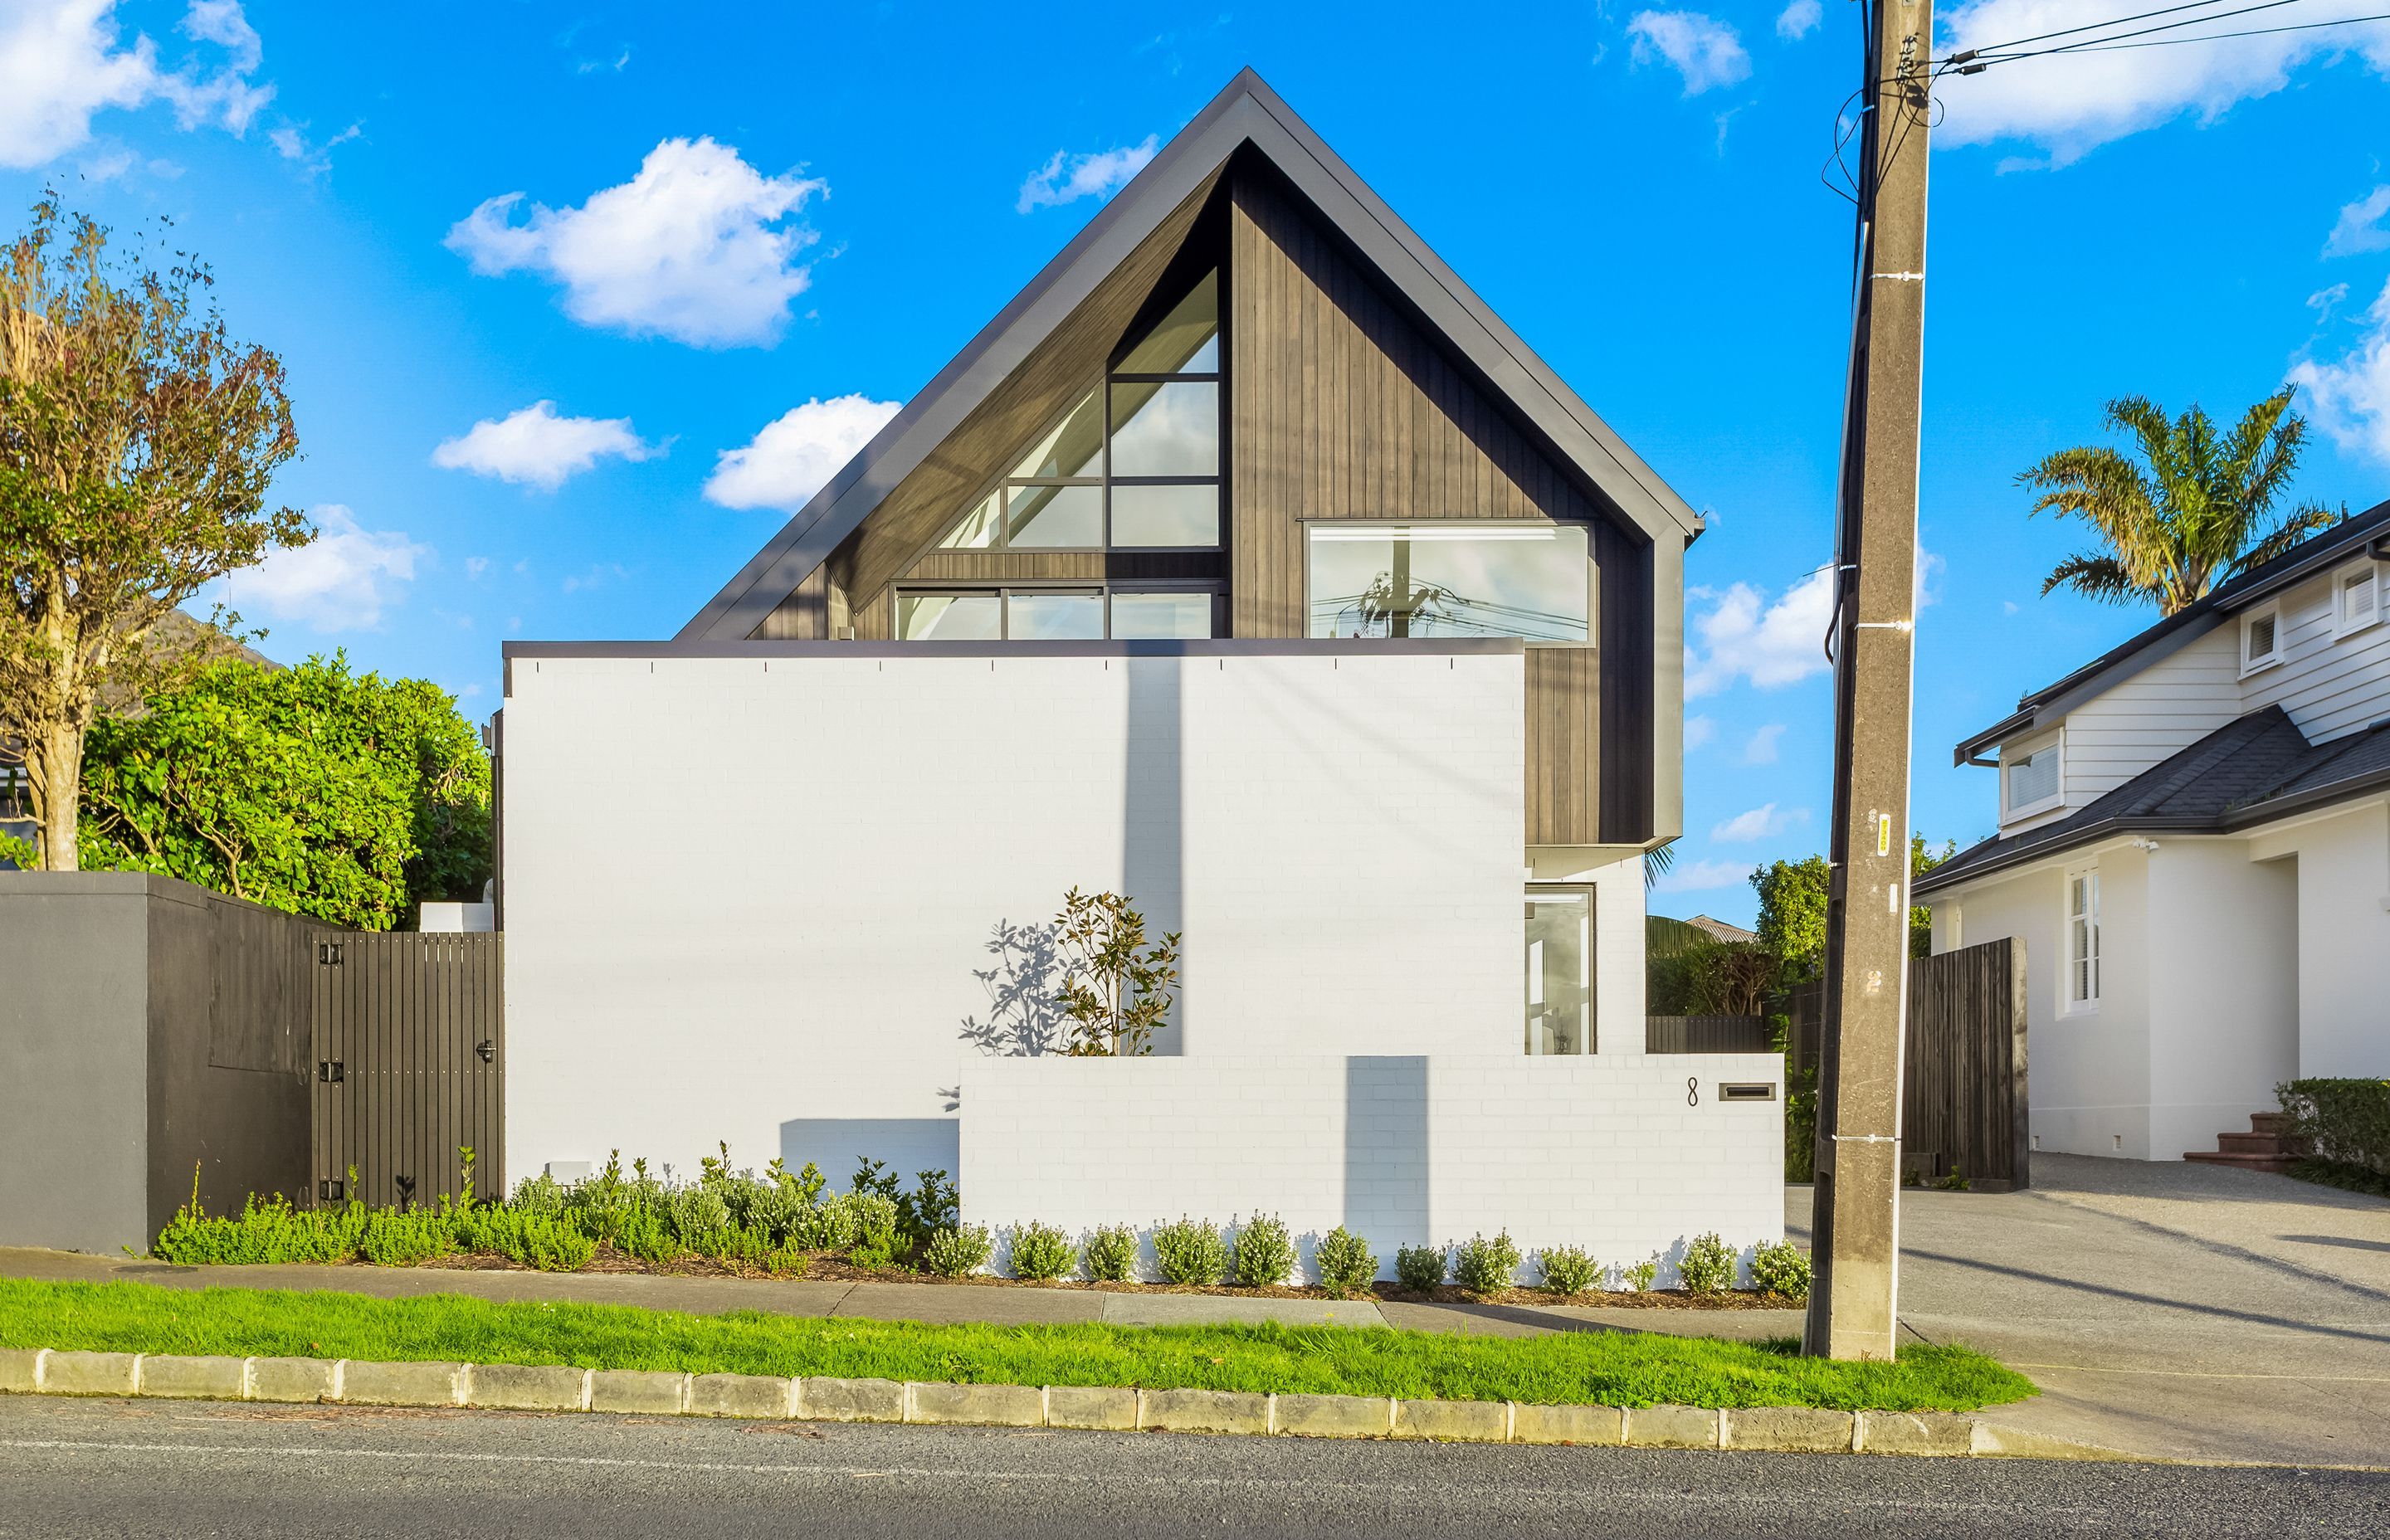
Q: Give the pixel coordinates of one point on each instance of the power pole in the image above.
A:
(1856, 1233)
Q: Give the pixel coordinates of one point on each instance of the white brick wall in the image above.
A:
(1603, 1152)
(745, 899)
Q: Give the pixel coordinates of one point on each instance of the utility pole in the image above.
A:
(1856, 1233)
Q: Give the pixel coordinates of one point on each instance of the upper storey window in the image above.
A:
(1135, 463)
(1525, 580)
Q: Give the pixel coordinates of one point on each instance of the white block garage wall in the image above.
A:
(745, 897)
(1606, 1153)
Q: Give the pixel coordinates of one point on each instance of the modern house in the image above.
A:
(1245, 565)
(2195, 844)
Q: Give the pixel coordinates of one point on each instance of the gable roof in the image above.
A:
(2249, 771)
(2361, 533)
(1247, 115)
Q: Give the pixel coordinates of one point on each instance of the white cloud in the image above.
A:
(475, 566)
(1742, 635)
(290, 142)
(2350, 398)
(1798, 19)
(64, 61)
(1697, 877)
(339, 580)
(697, 247)
(1758, 824)
(1706, 52)
(2363, 226)
(535, 447)
(796, 453)
(2071, 103)
(1761, 746)
(1698, 731)
(1068, 178)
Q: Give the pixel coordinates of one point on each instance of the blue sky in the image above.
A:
(714, 231)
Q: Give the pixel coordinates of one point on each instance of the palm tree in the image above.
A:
(2196, 508)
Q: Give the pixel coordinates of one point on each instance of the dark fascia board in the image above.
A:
(2247, 816)
(2361, 535)
(702, 648)
(1247, 112)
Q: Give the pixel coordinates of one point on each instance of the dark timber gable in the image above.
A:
(1360, 380)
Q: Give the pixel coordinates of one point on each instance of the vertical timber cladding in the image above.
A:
(410, 1062)
(1341, 406)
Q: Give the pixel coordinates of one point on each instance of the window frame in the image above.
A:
(1002, 485)
(2068, 1002)
(2029, 748)
(2249, 619)
(1005, 588)
(1592, 1026)
(2342, 626)
(1592, 566)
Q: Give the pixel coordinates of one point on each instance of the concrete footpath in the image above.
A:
(2167, 1309)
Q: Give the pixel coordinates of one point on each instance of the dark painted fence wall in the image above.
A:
(149, 1030)
(1706, 1035)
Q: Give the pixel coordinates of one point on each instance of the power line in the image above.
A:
(2205, 37)
(2095, 26)
(1995, 54)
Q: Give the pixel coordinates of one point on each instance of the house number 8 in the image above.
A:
(1693, 1091)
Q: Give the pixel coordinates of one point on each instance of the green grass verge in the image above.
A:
(1603, 1367)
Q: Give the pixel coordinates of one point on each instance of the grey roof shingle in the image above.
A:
(2242, 773)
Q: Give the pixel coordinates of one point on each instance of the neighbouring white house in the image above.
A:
(2194, 844)
(1245, 565)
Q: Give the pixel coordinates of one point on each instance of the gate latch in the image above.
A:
(487, 1049)
(327, 953)
(331, 1069)
(332, 1191)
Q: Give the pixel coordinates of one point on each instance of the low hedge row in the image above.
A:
(2346, 1123)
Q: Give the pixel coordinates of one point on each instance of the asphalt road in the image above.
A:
(72, 1469)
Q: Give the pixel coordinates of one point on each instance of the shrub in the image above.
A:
(1420, 1268)
(1041, 1254)
(2346, 1123)
(1708, 1266)
(953, 1252)
(1111, 1254)
(1346, 1265)
(396, 1237)
(698, 1213)
(876, 1243)
(1643, 1275)
(1568, 1271)
(540, 1195)
(1263, 1253)
(545, 1241)
(826, 1226)
(266, 1230)
(1781, 1267)
(642, 1232)
(1484, 1266)
(776, 1210)
(1800, 1124)
(1190, 1251)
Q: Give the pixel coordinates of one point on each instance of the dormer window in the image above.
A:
(2029, 776)
(2261, 639)
(2355, 598)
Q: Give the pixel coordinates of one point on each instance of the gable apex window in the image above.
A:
(2355, 598)
(2261, 639)
(2030, 776)
(1133, 464)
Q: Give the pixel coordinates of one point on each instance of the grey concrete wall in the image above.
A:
(74, 1056)
(111, 985)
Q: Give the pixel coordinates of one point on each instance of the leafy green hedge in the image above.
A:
(2345, 1121)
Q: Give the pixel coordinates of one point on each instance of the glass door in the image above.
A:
(1559, 970)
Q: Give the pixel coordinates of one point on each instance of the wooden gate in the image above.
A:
(410, 1063)
(1963, 1106)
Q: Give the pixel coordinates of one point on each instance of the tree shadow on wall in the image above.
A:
(1023, 1019)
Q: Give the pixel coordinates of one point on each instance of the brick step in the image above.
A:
(2275, 1164)
(2277, 1124)
(2250, 1144)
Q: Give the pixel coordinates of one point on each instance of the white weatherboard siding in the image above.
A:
(2343, 990)
(1615, 1153)
(2329, 685)
(745, 900)
(2163, 710)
